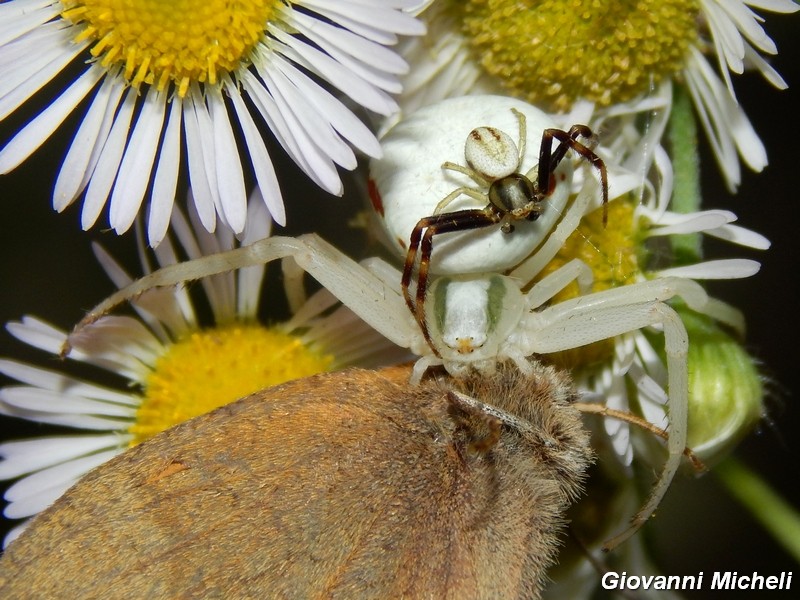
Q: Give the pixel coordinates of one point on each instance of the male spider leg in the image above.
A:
(549, 159)
(461, 220)
(630, 418)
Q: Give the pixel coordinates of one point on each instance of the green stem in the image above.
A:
(686, 195)
(780, 519)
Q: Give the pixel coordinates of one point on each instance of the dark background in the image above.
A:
(47, 269)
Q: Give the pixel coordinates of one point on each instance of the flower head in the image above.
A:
(159, 71)
(555, 53)
(628, 371)
(172, 367)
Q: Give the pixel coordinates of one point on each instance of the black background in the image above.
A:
(47, 270)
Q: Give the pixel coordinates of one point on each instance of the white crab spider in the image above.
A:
(476, 314)
(514, 325)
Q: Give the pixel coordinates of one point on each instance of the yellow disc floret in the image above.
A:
(211, 368)
(612, 252)
(553, 52)
(178, 42)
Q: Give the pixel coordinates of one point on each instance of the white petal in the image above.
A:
(137, 163)
(280, 117)
(32, 60)
(340, 117)
(249, 280)
(377, 56)
(333, 72)
(228, 165)
(741, 236)
(108, 162)
(262, 163)
(12, 100)
(63, 384)
(755, 60)
(87, 144)
(734, 268)
(15, 533)
(165, 182)
(32, 399)
(318, 129)
(84, 422)
(308, 27)
(20, 17)
(200, 146)
(27, 456)
(36, 492)
(42, 127)
(370, 15)
(676, 223)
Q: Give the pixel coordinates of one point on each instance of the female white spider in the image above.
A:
(475, 315)
(477, 320)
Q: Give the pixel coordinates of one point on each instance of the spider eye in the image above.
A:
(491, 152)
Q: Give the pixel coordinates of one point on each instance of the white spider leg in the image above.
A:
(293, 285)
(322, 300)
(378, 304)
(471, 192)
(575, 270)
(604, 315)
(468, 171)
(531, 266)
(422, 365)
(654, 290)
(523, 135)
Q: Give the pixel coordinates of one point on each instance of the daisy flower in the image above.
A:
(553, 55)
(628, 372)
(171, 367)
(158, 71)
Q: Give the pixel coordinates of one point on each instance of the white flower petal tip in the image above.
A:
(734, 268)
(703, 221)
(741, 236)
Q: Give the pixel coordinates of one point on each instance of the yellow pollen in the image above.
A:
(159, 42)
(211, 368)
(553, 52)
(614, 255)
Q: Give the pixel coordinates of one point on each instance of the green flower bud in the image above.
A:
(725, 389)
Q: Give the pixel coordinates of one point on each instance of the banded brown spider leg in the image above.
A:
(462, 220)
(493, 162)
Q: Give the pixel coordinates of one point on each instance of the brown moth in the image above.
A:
(348, 485)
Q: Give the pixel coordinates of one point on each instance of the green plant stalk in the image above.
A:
(779, 518)
(686, 195)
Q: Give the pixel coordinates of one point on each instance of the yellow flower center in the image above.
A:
(613, 253)
(553, 52)
(211, 368)
(171, 41)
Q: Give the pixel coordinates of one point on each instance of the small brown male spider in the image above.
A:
(494, 160)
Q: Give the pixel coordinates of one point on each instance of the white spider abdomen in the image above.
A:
(491, 152)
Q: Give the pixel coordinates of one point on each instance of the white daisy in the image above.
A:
(173, 367)
(158, 71)
(552, 56)
(638, 244)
